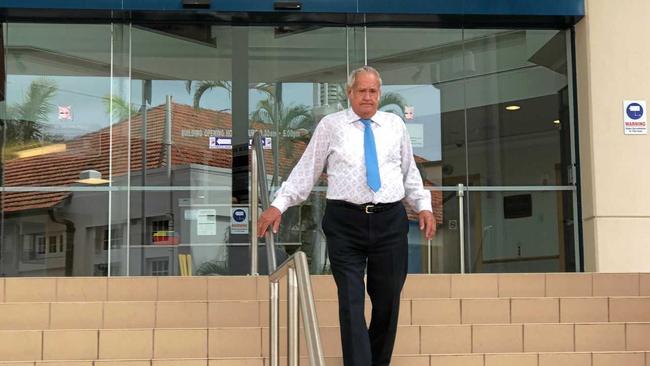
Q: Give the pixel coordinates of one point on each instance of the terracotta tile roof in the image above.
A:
(91, 151)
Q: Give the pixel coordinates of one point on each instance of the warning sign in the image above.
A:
(635, 117)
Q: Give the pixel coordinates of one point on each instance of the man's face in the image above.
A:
(364, 95)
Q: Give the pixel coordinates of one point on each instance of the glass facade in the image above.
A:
(125, 147)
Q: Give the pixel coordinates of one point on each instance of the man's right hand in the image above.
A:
(270, 217)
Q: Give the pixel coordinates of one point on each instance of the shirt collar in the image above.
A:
(352, 117)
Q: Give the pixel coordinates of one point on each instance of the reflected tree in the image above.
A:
(26, 121)
(290, 122)
(119, 108)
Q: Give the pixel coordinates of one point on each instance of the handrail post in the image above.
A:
(274, 336)
(429, 267)
(461, 228)
(253, 214)
(310, 319)
(292, 318)
(258, 154)
(300, 302)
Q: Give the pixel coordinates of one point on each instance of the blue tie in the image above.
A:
(370, 151)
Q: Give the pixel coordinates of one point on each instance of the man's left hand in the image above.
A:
(427, 224)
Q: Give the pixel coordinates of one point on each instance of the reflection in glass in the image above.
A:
(181, 155)
(421, 84)
(299, 92)
(522, 231)
(517, 111)
(56, 120)
(118, 152)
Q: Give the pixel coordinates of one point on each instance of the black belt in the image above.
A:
(365, 207)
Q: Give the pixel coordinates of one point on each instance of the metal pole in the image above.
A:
(292, 318)
(429, 256)
(461, 220)
(274, 316)
(310, 319)
(264, 194)
(146, 98)
(253, 215)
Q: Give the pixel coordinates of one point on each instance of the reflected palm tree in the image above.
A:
(120, 108)
(392, 100)
(25, 122)
(27, 119)
(293, 123)
(204, 86)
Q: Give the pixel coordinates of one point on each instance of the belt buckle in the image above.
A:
(368, 207)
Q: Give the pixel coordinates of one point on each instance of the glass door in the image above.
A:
(488, 109)
(126, 146)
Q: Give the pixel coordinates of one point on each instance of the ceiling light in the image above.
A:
(513, 107)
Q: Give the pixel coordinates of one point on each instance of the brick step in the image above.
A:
(256, 288)
(17, 345)
(254, 313)
(486, 359)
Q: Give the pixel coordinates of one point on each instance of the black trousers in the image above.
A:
(356, 239)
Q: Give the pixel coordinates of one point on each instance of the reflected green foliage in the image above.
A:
(291, 123)
(25, 123)
(392, 102)
(26, 120)
(212, 267)
(119, 108)
(204, 86)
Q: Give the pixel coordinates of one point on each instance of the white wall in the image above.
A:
(612, 53)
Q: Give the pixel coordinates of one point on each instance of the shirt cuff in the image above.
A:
(281, 204)
(423, 205)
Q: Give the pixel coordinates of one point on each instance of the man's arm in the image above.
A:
(298, 186)
(415, 194)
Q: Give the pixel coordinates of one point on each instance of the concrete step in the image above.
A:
(76, 289)
(83, 344)
(254, 313)
(629, 358)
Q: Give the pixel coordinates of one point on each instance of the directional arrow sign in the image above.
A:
(217, 142)
(266, 143)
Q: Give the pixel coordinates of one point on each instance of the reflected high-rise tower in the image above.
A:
(328, 98)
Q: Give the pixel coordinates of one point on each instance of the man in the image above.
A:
(370, 169)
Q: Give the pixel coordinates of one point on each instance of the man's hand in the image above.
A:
(270, 217)
(427, 224)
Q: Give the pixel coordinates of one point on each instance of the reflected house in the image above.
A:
(67, 229)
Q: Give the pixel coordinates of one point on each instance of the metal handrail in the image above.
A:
(295, 268)
(258, 177)
(299, 291)
(461, 219)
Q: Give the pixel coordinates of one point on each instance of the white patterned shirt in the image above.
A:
(337, 146)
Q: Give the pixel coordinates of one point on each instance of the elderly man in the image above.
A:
(370, 170)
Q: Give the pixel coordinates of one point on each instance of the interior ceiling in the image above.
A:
(536, 116)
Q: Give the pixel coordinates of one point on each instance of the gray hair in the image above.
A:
(352, 78)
